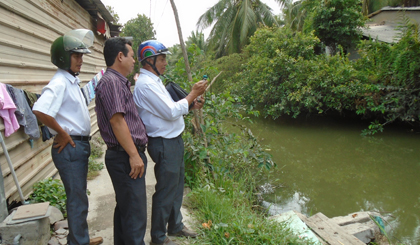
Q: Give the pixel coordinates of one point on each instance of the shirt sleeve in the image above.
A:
(51, 98)
(151, 98)
(112, 99)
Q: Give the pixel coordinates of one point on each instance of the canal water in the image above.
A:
(325, 165)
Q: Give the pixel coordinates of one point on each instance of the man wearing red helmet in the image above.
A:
(163, 118)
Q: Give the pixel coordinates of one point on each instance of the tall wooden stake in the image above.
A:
(187, 64)
(181, 41)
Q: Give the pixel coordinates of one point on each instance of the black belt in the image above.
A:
(81, 138)
(141, 148)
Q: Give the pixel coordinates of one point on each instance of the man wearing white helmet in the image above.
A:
(163, 118)
(62, 108)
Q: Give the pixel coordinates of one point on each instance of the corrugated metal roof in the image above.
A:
(394, 9)
(384, 33)
(385, 27)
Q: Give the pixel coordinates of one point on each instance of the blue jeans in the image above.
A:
(72, 165)
(168, 154)
(130, 215)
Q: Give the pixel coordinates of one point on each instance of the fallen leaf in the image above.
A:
(207, 225)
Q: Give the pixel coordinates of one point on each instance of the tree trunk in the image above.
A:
(181, 42)
(187, 64)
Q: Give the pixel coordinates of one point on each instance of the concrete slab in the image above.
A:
(365, 232)
(34, 232)
(357, 217)
(297, 226)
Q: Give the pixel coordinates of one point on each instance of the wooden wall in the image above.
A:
(27, 30)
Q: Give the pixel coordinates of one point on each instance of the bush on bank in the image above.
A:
(285, 75)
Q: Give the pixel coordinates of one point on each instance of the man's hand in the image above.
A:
(61, 140)
(123, 135)
(137, 167)
(198, 103)
(199, 88)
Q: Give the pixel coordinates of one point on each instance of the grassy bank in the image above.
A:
(222, 169)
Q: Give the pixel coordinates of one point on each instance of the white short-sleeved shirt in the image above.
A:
(63, 100)
(162, 116)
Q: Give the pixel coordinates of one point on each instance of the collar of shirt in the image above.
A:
(151, 75)
(69, 76)
(123, 79)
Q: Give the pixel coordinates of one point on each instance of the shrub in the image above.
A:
(50, 190)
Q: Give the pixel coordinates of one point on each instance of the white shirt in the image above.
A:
(162, 116)
(63, 100)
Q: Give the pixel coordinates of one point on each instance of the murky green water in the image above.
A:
(326, 166)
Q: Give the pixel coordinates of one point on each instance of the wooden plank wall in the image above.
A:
(27, 30)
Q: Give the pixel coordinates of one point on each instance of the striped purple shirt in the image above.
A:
(113, 95)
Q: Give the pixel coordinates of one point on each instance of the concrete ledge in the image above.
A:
(34, 232)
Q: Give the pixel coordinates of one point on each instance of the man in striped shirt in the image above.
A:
(125, 136)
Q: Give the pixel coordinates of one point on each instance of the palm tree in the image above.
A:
(234, 22)
(197, 38)
(294, 13)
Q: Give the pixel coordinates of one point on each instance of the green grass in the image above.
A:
(227, 214)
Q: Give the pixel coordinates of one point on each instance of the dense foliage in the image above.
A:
(286, 76)
(337, 22)
(395, 71)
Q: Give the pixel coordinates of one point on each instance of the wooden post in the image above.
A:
(187, 64)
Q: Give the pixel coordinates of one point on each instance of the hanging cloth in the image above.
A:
(23, 112)
(85, 93)
(31, 98)
(91, 91)
(7, 112)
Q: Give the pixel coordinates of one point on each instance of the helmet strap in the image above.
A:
(153, 65)
(74, 74)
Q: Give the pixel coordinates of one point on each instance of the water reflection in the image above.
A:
(330, 168)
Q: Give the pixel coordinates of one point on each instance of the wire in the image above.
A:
(162, 14)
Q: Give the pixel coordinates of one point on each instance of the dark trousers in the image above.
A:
(72, 165)
(168, 155)
(130, 215)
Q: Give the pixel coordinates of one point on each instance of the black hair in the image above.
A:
(112, 47)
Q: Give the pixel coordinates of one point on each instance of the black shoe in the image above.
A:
(166, 242)
(185, 232)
